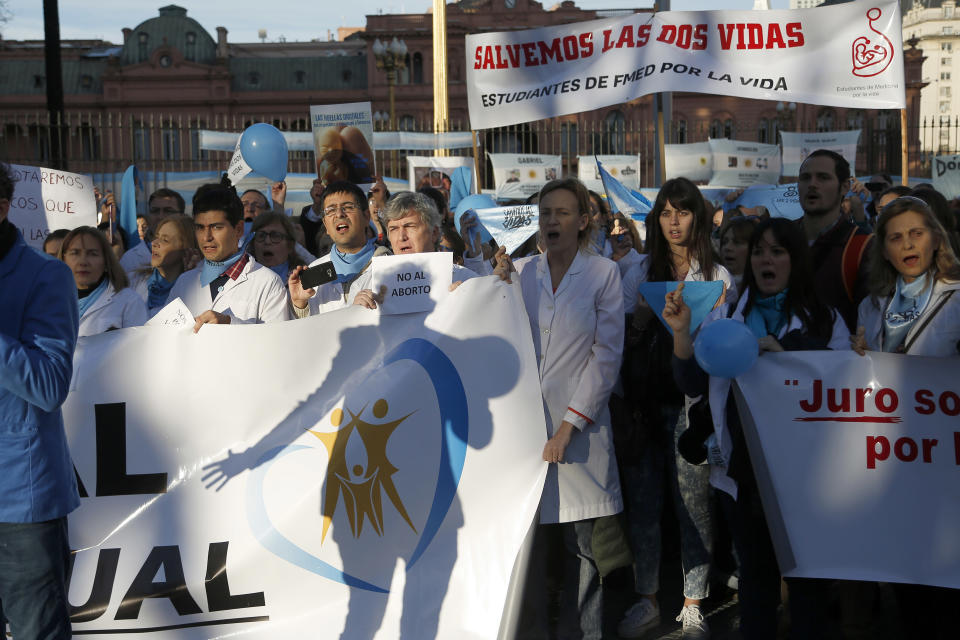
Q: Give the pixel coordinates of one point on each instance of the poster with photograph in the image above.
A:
(343, 142)
(519, 176)
(626, 169)
(436, 171)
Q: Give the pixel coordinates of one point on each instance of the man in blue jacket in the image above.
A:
(38, 333)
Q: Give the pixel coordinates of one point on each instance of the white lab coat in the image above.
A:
(136, 258)
(113, 310)
(637, 274)
(719, 388)
(257, 295)
(941, 337)
(578, 339)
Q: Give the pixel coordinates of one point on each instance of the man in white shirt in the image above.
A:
(162, 203)
(228, 286)
(346, 218)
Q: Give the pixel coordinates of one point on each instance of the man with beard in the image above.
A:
(838, 247)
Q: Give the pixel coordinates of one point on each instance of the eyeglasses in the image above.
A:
(346, 207)
(274, 236)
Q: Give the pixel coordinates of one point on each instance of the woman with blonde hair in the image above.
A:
(105, 300)
(174, 246)
(913, 306)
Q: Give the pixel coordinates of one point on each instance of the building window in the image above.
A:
(38, 82)
(347, 75)
(946, 62)
(141, 141)
(569, 142)
(944, 92)
(89, 142)
(403, 75)
(763, 131)
(722, 129)
(825, 120)
(407, 123)
(946, 46)
(418, 68)
(170, 141)
(948, 12)
(142, 39)
(191, 49)
(945, 107)
(299, 77)
(681, 136)
(945, 75)
(86, 81)
(854, 119)
(253, 79)
(948, 31)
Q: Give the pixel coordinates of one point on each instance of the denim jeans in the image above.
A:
(689, 487)
(33, 579)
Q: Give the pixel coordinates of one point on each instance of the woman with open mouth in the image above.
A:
(781, 307)
(105, 300)
(274, 243)
(913, 306)
(678, 248)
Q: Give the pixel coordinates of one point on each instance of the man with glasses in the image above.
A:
(229, 286)
(162, 203)
(346, 219)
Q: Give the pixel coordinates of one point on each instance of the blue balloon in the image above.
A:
(265, 149)
(726, 348)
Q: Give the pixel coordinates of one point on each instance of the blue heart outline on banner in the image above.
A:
(454, 420)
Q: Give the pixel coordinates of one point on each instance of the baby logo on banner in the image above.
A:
(701, 297)
(414, 282)
(510, 226)
(46, 199)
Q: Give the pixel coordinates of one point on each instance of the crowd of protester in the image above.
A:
(869, 266)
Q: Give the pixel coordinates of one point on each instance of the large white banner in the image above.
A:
(740, 164)
(797, 146)
(858, 462)
(626, 169)
(847, 55)
(693, 161)
(45, 200)
(517, 176)
(353, 475)
(946, 175)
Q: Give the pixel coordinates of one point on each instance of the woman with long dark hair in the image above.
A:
(781, 307)
(678, 249)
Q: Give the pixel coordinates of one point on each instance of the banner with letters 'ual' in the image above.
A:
(847, 55)
(353, 475)
(858, 463)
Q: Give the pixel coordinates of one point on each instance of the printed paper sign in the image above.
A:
(741, 164)
(846, 55)
(175, 314)
(519, 176)
(946, 175)
(626, 169)
(781, 200)
(414, 282)
(45, 200)
(510, 226)
(692, 161)
(797, 146)
(348, 493)
(342, 137)
(435, 171)
(849, 450)
(238, 166)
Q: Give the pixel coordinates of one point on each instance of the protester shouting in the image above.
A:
(105, 300)
(574, 302)
(274, 244)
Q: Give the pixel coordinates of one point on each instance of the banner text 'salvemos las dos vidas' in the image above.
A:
(849, 55)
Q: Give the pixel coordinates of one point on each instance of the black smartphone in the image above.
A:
(318, 275)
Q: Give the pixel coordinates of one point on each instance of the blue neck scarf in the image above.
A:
(282, 270)
(87, 301)
(348, 265)
(213, 270)
(157, 290)
(767, 316)
(906, 305)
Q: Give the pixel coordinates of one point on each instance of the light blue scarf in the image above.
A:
(348, 265)
(157, 290)
(87, 301)
(767, 316)
(213, 270)
(282, 270)
(907, 304)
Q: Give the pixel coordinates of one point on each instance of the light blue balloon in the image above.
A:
(726, 348)
(265, 149)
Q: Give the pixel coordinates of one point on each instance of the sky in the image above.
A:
(105, 19)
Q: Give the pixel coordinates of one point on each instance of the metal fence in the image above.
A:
(158, 143)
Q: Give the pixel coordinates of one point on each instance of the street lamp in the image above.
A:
(392, 59)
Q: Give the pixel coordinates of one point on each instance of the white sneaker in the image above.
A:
(639, 619)
(694, 626)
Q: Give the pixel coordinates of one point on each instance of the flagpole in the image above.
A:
(904, 180)
(662, 102)
(440, 102)
(476, 159)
